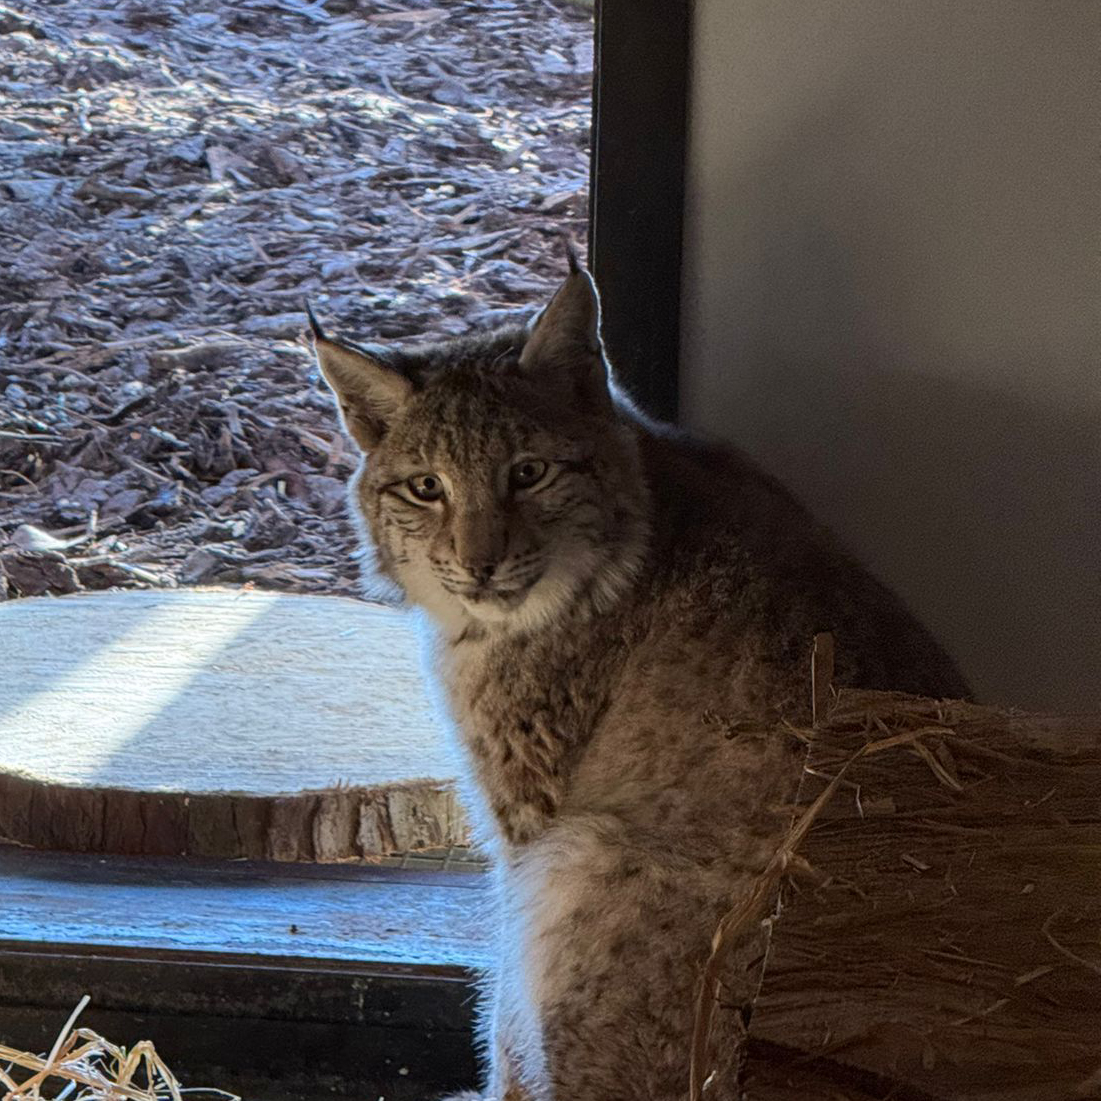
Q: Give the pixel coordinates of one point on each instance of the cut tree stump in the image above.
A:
(945, 942)
(222, 723)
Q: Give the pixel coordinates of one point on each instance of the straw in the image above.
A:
(84, 1066)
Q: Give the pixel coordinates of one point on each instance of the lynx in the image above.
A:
(622, 615)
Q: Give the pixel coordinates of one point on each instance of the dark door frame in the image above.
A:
(637, 189)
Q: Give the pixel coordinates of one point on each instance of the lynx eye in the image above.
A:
(426, 487)
(524, 475)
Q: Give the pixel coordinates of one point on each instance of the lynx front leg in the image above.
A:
(512, 1030)
(516, 1062)
(505, 1085)
(512, 1092)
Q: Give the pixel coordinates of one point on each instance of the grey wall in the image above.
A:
(892, 301)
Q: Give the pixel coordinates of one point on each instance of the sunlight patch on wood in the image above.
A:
(118, 689)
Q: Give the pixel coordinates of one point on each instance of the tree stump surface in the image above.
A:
(222, 723)
(945, 942)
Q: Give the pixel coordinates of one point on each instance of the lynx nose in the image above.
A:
(479, 542)
(481, 572)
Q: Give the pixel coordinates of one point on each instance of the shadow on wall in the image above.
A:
(906, 341)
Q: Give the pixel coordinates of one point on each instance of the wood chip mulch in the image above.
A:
(175, 178)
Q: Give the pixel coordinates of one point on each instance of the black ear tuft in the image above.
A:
(571, 255)
(315, 325)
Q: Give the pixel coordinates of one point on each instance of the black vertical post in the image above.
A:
(636, 204)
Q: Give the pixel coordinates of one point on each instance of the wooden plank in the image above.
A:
(337, 914)
(949, 947)
(225, 723)
(225, 984)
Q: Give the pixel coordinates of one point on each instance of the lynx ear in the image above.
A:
(564, 343)
(368, 392)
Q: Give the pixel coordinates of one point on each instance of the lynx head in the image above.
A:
(500, 482)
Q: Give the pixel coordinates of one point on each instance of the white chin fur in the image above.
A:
(559, 586)
(490, 611)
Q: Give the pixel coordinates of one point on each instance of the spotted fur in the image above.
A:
(614, 646)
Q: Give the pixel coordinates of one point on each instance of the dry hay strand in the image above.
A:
(84, 1066)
